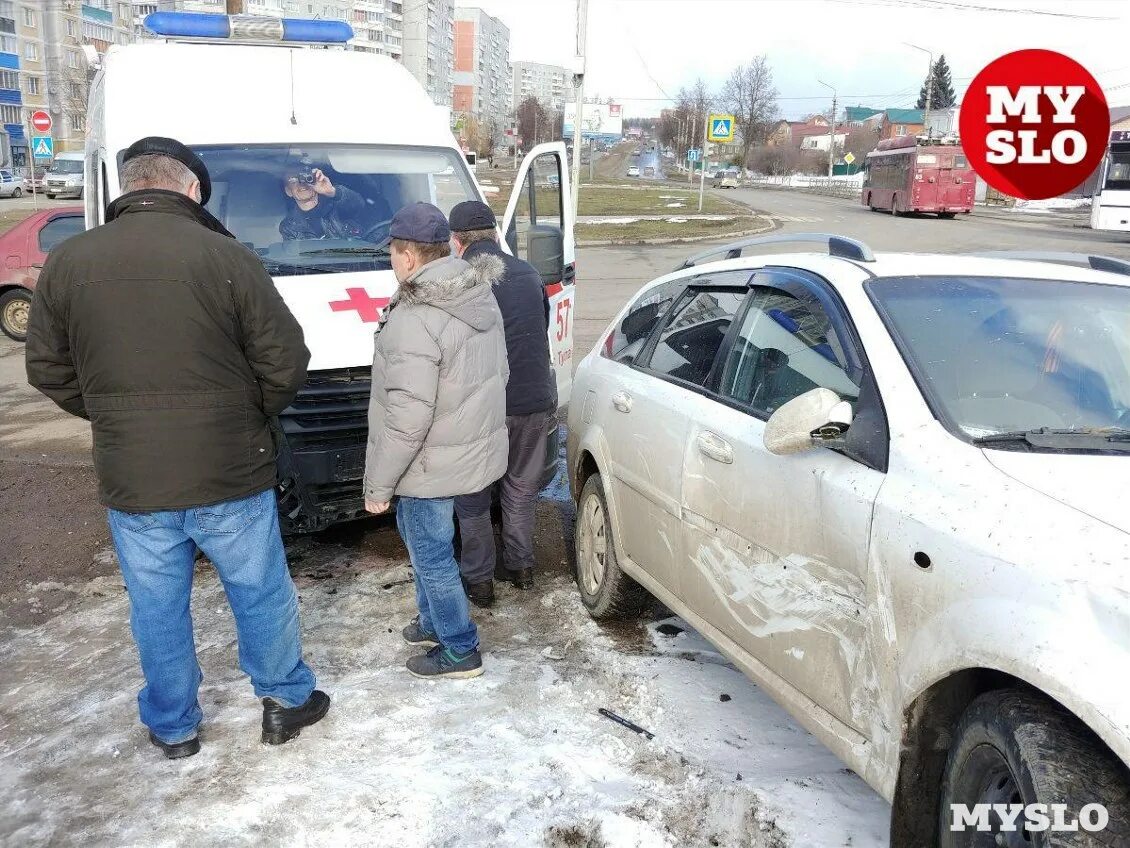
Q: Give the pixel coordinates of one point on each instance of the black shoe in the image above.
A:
(177, 750)
(444, 662)
(281, 724)
(480, 594)
(414, 635)
(522, 578)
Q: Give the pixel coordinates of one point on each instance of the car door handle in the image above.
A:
(622, 401)
(716, 448)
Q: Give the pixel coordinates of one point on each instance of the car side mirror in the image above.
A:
(816, 417)
(545, 250)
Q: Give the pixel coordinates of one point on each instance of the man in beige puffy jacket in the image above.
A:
(437, 422)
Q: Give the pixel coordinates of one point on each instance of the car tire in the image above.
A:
(1012, 746)
(15, 310)
(606, 591)
(50, 197)
(18, 192)
(946, 215)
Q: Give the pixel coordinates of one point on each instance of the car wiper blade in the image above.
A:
(348, 251)
(1052, 437)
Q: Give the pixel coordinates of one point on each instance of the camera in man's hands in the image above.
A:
(307, 177)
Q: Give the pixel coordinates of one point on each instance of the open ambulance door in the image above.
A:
(538, 227)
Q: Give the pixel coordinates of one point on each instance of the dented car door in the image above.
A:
(776, 546)
(644, 418)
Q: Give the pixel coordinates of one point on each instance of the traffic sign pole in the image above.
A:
(31, 168)
(702, 179)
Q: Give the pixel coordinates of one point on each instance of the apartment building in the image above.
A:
(429, 46)
(43, 64)
(482, 66)
(550, 84)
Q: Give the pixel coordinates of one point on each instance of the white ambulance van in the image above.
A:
(261, 100)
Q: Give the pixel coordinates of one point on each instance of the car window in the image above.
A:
(628, 338)
(693, 334)
(784, 348)
(58, 230)
(6, 176)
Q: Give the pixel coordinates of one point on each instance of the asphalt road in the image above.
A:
(608, 276)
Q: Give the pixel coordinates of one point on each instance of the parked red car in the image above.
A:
(25, 248)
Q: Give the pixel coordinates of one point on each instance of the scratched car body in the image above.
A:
(832, 465)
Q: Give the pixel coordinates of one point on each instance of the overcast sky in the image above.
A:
(642, 51)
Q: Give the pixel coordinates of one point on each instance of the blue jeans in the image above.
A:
(427, 526)
(241, 537)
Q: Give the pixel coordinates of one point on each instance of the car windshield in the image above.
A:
(1012, 356)
(321, 209)
(67, 166)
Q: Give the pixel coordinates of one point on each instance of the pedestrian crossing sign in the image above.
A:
(721, 128)
(42, 147)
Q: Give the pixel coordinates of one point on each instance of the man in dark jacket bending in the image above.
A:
(531, 410)
(169, 336)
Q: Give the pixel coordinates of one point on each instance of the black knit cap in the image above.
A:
(156, 145)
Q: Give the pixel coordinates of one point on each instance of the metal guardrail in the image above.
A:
(813, 185)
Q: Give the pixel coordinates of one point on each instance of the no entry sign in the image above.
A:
(41, 121)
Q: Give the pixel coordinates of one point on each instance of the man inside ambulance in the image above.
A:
(320, 209)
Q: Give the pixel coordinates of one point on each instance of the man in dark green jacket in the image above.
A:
(169, 336)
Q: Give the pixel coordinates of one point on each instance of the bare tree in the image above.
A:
(749, 94)
(861, 141)
(534, 122)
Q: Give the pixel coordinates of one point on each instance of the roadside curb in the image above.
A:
(770, 224)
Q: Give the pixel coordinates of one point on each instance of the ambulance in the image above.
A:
(267, 100)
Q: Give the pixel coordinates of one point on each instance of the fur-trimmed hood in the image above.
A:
(461, 289)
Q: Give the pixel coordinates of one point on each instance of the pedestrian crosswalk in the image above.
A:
(796, 219)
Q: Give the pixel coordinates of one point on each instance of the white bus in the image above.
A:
(259, 99)
(1110, 205)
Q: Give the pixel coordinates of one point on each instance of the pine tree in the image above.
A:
(941, 91)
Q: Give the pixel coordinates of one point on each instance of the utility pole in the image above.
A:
(579, 80)
(831, 131)
(929, 85)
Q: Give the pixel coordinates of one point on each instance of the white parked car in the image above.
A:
(633, 171)
(10, 184)
(894, 491)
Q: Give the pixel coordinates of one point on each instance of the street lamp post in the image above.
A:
(831, 129)
(929, 85)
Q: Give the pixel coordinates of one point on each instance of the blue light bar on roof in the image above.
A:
(247, 28)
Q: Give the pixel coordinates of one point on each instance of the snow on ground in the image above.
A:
(517, 757)
(1052, 204)
(598, 219)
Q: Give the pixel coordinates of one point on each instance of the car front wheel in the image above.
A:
(606, 591)
(1013, 747)
(15, 309)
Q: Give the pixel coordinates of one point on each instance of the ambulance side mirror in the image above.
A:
(545, 250)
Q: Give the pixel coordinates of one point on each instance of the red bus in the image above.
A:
(908, 174)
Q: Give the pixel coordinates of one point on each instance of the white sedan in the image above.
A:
(893, 490)
(633, 171)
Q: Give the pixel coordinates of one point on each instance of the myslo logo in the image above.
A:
(1031, 817)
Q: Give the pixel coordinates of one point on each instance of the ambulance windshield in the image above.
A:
(319, 209)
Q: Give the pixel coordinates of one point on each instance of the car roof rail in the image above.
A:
(1080, 260)
(846, 248)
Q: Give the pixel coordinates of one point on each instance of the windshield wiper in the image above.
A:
(1058, 438)
(374, 250)
(275, 266)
